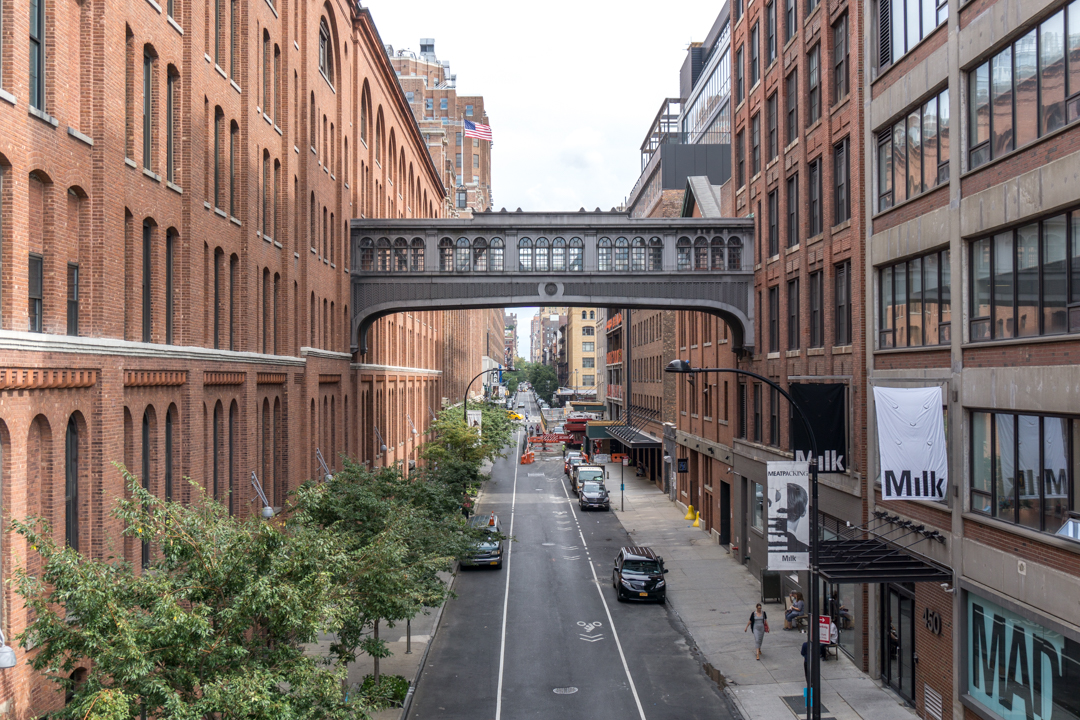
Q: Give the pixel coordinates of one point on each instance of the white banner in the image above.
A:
(474, 418)
(911, 443)
(788, 501)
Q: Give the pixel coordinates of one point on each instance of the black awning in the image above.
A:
(873, 560)
(631, 437)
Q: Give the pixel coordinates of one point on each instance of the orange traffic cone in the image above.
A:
(492, 520)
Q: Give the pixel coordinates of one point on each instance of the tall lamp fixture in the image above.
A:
(813, 710)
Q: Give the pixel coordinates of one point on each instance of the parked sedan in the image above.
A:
(488, 551)
(594, 495)
(572, 458)
(639, 575)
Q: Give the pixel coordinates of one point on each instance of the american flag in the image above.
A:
(478, 131)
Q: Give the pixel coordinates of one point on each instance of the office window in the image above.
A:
(810, 5)
(774, 318)
(736, 11)
(145, 478)
(457, 160)
(476, 142)
(457, 139)
(1023, 468)
(841, 181)
(755, 58)
(429, 103)
(1020, 94)
(813, 85)
(588, 362)
(755, 144)
(914, 303)
(326, 51)
(913, 154)
(816, 219)
(793, 314)
(588, 380)
(758, 435)
(461, 198)
(171, 105)
(817, 307)
(903, 23)
(170, 258)
(148, 111)
(774, 137)
(774, 224)
(740, 87)
(740, 159)
(266, 194)
(842, 298)
(774, 416)
(468, 111)
(757, 509)
(1026, 281)
(72, 299)
(793, 211)
(37, 54)
(475, 163)
(266, 72)
(840, 59)
(790, 20)
(791, 102)
(147, 248)
(35, 283)
(770, 32)
(588, 347)
(442, 103)
(71, 484)
(742, 410)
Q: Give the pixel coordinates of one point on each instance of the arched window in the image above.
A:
(480, 255)
(401, 255)
(496, 262)
(525, 255)
(656, 254)
(576, 251)
(701, 254)
(682, 249)
(446, 255)
(461, 258)
(383, 249)
(717, 248)
(364, 107)
(622, 255)
(145, 475)
(582, 314)
(417, 255)
(326, 52)
(71, 484)
(169, 453)
(592, 314)
(314, 124)
(541, 263)
(367, 254)
(266, 194)
(558, 255)
(637, 254)
(734, 253)
(603, 255)
(267, 59)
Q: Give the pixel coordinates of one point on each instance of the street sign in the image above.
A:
(823, 629)
(625, 461)
(684, 465)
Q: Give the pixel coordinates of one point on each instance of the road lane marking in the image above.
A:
(506, 596)
(607, 610)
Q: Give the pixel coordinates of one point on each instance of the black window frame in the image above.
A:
(35, 287)
(771, 112)
(774, 319)
(36, 78)
(791, 20)
(793, 234)
(842, 331)
(148, 111)
(887, 25)
(774, 416)
(890, 171)
(794, 338)
(147, 287)
(740, 76)
(817, 210)
(773, 203)
(755, 54)
(813, 84)
(841, 60)
(758, 434)
(791, 102)
(72, 298)
(817, 309)
(170, 279)
(145, 558)
(170, 126)
(889, 313)
(755, 144)
(71, 484)
(842, 181)
(740, 159)
(770, 32)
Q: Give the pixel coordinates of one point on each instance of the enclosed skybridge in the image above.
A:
(591, 259)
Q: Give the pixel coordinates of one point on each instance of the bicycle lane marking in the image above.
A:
(607, 610)
(506, 595)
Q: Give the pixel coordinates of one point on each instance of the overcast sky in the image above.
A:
(570, 87)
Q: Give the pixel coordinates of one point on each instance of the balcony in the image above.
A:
(614, 392)
(614, 322)
(614, 357)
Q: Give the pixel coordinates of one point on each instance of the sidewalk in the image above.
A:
(714, 595)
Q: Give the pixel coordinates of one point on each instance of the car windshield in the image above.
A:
(586, 475)
(593, 487)
(641, 567)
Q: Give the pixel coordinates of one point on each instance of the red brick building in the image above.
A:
(175, 186)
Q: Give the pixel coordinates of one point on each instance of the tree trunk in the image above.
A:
(376, 657)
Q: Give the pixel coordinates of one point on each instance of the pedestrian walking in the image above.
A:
(759, 625)
(806, 661)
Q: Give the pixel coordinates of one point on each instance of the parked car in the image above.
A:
(583, 472)
(639, 575)
(569, 461)
(488, 551)
(558, 430)
(594, 495)
(521, 404)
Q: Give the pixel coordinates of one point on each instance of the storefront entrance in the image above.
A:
(898, 638)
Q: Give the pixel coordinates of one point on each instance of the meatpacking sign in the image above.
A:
(911, 443)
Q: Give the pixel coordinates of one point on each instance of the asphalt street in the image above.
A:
(544, 637)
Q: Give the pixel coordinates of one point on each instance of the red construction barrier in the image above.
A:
(551, 439)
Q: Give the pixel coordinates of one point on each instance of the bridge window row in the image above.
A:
(399, 256)
(555, 255)
(703, 254)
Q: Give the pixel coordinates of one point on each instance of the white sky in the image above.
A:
(570, 87)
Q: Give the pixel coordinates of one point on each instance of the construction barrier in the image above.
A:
(527, 458)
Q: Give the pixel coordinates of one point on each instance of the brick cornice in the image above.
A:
(154, 378)
(266, 378)
(42, 379)
(223, 378)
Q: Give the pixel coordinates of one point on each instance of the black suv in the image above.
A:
(594, 495)
(487, 551)
(639, 575)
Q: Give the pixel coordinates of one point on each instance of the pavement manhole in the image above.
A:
(565, 691)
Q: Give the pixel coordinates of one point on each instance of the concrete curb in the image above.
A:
(405, 706)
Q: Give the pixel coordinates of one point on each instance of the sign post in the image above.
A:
(622, 485)
(823, 629)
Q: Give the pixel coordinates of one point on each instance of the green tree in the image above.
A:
(544, 380)
(214, 627)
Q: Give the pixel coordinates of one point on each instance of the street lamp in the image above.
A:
(465, 400)
(813, 710)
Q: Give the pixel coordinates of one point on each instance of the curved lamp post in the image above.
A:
(465, 400)
(813, 710)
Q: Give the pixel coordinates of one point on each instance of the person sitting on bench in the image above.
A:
(796, 611)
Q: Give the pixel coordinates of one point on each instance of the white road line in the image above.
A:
(506, 597)
(611, 622)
